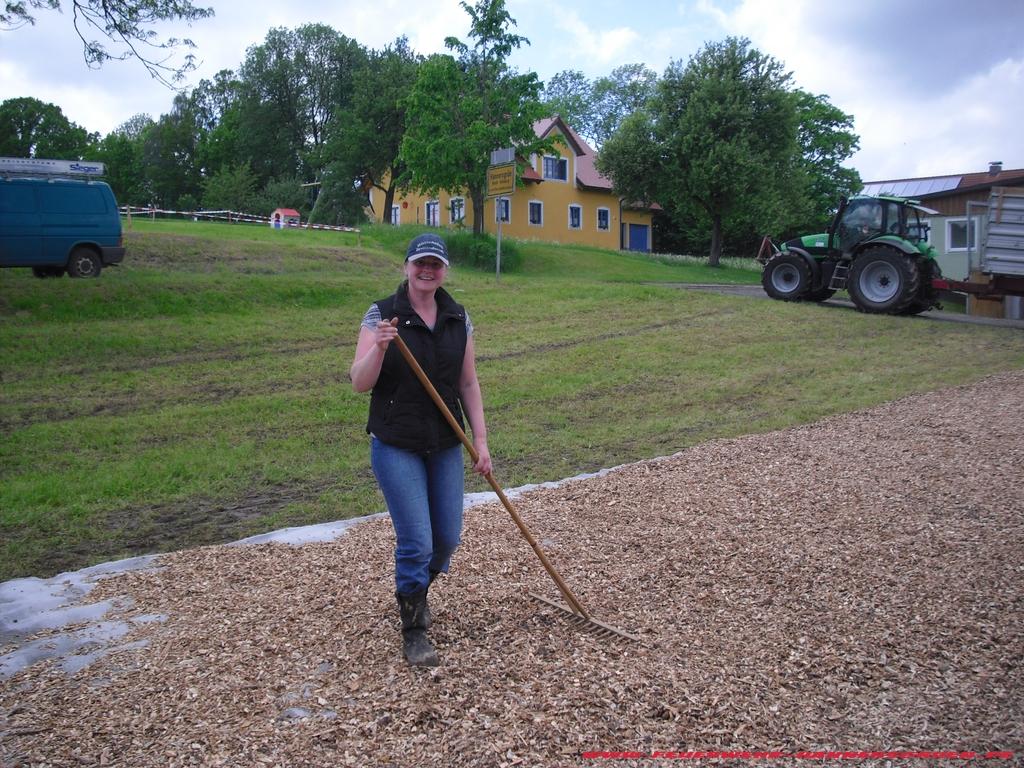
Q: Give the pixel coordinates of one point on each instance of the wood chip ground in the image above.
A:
(854, 584)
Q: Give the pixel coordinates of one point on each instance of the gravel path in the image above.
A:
(855, 584)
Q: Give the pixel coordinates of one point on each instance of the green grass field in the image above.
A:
(198, 393)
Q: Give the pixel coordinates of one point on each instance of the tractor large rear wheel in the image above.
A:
(884, 281)
(786, 277)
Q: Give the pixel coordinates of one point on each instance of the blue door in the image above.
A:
(638, 240)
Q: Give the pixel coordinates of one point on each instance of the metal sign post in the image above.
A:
(501, 182)
(497, 254)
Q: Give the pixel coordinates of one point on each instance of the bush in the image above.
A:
(480, 252)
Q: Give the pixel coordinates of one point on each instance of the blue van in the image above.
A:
(56, 225)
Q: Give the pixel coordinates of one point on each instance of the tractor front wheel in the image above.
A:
(786, 277)
(883, 281)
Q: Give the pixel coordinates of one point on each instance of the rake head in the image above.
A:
(586, 623)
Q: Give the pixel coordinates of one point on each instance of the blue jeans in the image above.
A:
(424, 497)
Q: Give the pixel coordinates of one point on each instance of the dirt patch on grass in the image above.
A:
(854, 584)
(178, 525)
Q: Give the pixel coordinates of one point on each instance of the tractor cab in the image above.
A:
(860, 220)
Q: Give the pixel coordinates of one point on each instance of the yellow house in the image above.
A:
(560, 198)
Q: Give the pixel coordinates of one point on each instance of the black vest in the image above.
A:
(401, 412)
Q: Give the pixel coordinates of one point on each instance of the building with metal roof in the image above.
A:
(958, 228)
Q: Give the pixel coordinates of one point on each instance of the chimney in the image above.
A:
(995, 167)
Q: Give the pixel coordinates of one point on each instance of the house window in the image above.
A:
(536, 213)
(433, 213)
(502, 210)
(960, 236)
(457, 210)
(396, 216)
(603, 219)
(575, 217)
(556, 168)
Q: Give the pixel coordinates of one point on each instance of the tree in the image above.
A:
(460, 110)
(366, 138)
(169, 155)
(719, 137)
(291, 87)
(570, 95)
(32, 128)
(626, 90)
(121, 152)
(231, 189)
(826, 141)
(595, 110)
(128, 24)
(217, 109)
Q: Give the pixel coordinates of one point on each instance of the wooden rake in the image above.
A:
(575, 613)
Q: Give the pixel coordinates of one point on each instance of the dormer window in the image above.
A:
(556, 168)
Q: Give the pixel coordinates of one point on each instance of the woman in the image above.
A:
(415, 454)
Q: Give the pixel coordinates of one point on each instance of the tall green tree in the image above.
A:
(232, 188)
(129, 25)
(121, 152)
(461, 109)
(215, 104)
(33, 128)
(719, 137)
(626, 90)
(366, 139)
(826, 138)
(291, 87)
(595, 110)
(173, 177)
(570, 95)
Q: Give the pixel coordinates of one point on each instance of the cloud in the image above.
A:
(585, 43)
(933, 88)
(958, 131)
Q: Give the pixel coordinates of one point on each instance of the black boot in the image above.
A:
(428, 617)
(415, 643)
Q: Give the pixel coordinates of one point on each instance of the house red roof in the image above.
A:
(286, 211)
(587, 174)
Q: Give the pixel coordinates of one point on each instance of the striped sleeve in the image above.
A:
(372, 317)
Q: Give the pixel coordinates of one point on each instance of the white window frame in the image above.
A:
(544, 168)
(579, 208)
(452, 219)
(608, 220)
(972, 233)
(432, 213)
(506, 203)
(396, 215)
(532, 203)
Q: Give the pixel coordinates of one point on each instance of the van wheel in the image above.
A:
(84, 263)
(48, 271)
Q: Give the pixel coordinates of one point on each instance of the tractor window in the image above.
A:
(861, 220)
(893, 225)
(917, 229)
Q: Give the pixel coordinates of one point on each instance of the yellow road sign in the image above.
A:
(501, 180)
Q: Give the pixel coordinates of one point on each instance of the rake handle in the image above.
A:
(432, 391)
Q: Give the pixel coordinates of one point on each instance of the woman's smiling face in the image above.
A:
(426, 274)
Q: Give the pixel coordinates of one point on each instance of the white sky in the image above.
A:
(935, 86)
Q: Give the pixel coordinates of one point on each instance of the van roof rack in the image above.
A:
(37, 166)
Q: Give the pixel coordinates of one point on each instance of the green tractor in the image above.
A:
(876, 248)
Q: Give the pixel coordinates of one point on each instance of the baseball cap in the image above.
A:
(426, 245)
